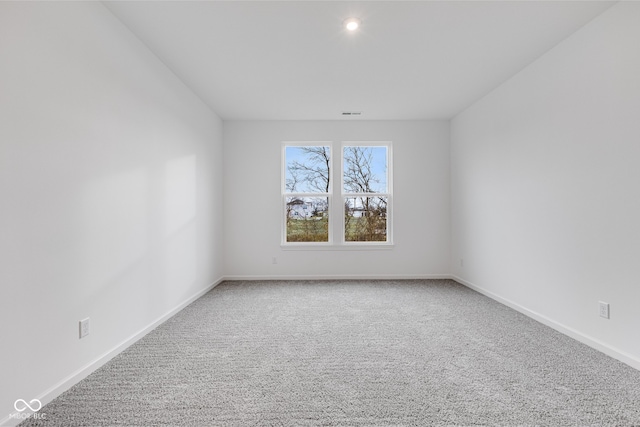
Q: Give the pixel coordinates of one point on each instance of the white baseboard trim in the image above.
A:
(339, 277)
(55, 391)
(620, 355)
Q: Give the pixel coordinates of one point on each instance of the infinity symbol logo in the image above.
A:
(28, 405)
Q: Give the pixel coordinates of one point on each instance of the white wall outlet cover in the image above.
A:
(604, 309)
(84, 327)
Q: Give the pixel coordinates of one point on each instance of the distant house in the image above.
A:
(357, 209)
(298, 208)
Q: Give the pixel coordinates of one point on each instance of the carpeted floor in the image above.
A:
(352, 353)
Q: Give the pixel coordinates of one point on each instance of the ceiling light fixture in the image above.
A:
(351, 24)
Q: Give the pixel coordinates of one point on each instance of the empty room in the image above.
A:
(319, 213)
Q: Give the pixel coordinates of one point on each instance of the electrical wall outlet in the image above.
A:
(84, 327)
(462, 262)
(604, 309)
(274, 260)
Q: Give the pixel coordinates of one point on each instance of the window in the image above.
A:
(307, 186)
(365, 193)
(360, 211)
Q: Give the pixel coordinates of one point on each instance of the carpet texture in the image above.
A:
(352, 353)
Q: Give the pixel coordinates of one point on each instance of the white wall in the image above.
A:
(546, 186)
(111, 185)
(252, 151)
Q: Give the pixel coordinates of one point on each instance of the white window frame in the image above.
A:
(285, 195)
(335, 198)
(388, 194)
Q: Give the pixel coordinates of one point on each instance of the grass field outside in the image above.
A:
(316, 229)
(312, 229)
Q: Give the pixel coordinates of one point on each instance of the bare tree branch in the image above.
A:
(358, 176)
(291, 184)
(315, 171)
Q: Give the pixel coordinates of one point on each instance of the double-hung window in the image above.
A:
(358, 213)
(366, 192)
(307, 191)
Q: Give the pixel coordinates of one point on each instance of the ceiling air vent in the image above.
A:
(351, 113)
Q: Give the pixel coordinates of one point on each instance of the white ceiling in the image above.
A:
(292, 60)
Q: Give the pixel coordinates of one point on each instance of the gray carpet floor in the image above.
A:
(352, 353)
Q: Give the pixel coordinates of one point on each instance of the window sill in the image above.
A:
(343, 247)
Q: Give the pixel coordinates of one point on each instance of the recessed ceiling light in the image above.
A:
(351, 24)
